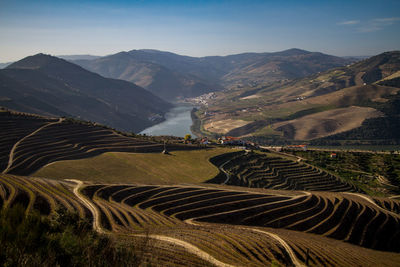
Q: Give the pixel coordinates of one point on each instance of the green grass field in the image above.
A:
(149, 168)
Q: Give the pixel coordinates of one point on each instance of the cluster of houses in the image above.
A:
(297, 147)
(229, 140)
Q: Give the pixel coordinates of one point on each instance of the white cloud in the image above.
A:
(378, 24)
(386, 21)
(372, 25)
(349, 22)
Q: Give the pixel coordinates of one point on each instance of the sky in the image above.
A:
(197, 28)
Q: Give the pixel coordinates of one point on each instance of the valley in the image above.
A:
(199, 133)
(117, 157)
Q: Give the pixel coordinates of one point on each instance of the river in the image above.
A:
(177, 122)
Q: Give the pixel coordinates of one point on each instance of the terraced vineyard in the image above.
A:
(222, 226)
(261, 171)
(286, 217)
(13, 128)
(31, 142)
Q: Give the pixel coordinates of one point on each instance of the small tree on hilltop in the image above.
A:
(188, 137)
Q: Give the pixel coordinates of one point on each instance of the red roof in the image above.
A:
(231, 138)
(297, 146)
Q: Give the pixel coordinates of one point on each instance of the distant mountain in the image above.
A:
(171, 76)
(51, 86)
(288, 64)
(78, 57)
(357, 96)
(246, 68)
(161, 81)
(3, 65)
(356, 58)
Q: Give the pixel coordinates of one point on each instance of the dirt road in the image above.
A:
(189, 247)
(288, 249)
(89, 205)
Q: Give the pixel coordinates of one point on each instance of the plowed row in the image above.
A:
(232, 226)
(47, 196)
(261, 171)
(62, 141)
(339, 216)
(43, 195)
(13, 128)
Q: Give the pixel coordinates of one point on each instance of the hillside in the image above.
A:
(243, 227)
(319, 105)
(159, 203)
(186, 166)
(3, 65)
(30, 142)
(173, 76)
(48, 85)
(161, 81)
(246, 68)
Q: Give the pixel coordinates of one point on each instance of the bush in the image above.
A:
(63, 240)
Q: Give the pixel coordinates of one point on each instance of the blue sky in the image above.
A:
(197, 28)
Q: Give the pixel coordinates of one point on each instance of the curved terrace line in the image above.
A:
(12, 152)
(189, 247)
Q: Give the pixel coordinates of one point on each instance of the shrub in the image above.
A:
(63, 240)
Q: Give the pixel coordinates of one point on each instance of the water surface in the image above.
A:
(177, 123)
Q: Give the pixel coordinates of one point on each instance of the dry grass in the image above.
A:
(150, 168)
(224, 126)
(328, 122)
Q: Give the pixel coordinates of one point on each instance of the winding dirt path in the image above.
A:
(372, 202)
(288, 249)
(283, 243)
(189, 247)
(11, 157)
(88, 204)
(366, 198)
(226, 173)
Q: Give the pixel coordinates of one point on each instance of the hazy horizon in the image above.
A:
(197, 28)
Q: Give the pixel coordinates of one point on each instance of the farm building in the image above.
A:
(229, 140)
(297, 147)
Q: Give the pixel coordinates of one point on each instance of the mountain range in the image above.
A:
(289, 95)
(52, 86)
(323, 104)
(171, 76)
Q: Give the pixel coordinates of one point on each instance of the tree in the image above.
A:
(188, 137)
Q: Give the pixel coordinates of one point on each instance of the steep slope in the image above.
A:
(60, 88)
(289, 64)
(158, 79)
(255, 233)
(28, 142)
(172, 76)
(246, 68)
(370, 84)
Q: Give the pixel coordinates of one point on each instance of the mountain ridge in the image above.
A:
(84, 94)
(195, 76)
(300, 108)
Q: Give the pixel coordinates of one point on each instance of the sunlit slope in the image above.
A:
(30, 142)
(151, 168)
(262, 109)
(223, 226)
